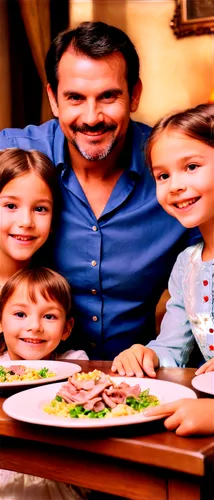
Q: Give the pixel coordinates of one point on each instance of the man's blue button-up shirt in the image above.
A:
(118, 265)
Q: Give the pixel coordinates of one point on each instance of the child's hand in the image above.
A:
(186, 416)
(135, 361)
(206, 367)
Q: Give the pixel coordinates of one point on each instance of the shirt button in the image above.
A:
(95, 318)
(95, 228)
(206, 298)
(205, 282)
(93, 291)
(93, 263)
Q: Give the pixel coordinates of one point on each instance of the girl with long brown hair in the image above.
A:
(28, 201)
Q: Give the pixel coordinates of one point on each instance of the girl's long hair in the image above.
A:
(48, 283)
(197, 123)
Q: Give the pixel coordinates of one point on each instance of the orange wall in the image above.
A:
(176, 73)
(80, 10)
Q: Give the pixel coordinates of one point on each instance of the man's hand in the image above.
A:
(186, 416)
(135, 361)
(206, 367)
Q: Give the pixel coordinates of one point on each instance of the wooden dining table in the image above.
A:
(139, 462)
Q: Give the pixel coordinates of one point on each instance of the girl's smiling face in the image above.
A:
(33, 330)
(26, 207)
(183, 169)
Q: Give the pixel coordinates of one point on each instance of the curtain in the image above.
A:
(36, 19)
(5, 88)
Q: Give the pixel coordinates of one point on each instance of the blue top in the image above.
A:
(190, 310)
(119, 264)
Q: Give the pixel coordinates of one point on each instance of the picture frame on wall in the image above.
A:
(193, 17)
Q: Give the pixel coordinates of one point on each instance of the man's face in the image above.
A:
(93, 103)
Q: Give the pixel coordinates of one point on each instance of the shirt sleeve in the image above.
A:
(175, 341)
(4, 143)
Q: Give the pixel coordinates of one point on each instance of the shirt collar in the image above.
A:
(138, 135)
(59, 147)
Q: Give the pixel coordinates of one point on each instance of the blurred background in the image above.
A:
(176, 73)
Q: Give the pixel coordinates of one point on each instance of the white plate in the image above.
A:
(27, 406)
(61, 368)
(204, 382)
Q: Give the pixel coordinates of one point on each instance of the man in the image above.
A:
(114, 243)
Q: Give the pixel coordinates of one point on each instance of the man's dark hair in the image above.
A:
(95, 40)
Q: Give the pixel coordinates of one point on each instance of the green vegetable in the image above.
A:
(143, 401)
(43, 372)
(80, 410)
(99, 414)
(2, 374)
(74, 412)
(58, 398)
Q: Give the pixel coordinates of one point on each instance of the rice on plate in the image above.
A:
(20, 373)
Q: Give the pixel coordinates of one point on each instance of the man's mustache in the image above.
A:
(98, 128)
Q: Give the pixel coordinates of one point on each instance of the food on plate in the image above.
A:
(95, 395)
(21, 373)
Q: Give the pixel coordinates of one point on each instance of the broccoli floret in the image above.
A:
(43, 372)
